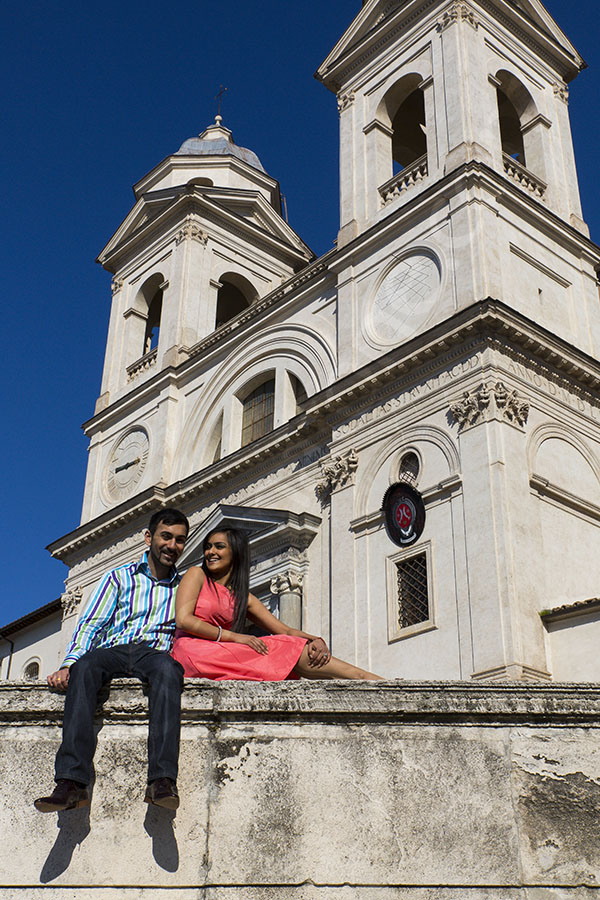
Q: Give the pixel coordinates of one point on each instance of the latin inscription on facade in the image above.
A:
(418, 392)
(556, 389)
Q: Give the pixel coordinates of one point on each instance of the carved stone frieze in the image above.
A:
(116, 285)
(193, 232)
(337, 471)
(289, 582)
(345, 100)
(70, 601)
(458, 12)
(475, 406)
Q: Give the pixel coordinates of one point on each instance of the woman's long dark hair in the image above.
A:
(240, 571)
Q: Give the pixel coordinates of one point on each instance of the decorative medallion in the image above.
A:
(126, 464)
(405, 298)
(404, 513)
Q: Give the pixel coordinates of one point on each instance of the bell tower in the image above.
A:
(462, 246)
(455, 113)
(203, 243)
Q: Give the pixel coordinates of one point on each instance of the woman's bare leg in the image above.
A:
(335, 668)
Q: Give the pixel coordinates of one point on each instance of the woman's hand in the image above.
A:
(251, 641)
(318, 653)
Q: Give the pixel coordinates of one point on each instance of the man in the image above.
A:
(126, 628)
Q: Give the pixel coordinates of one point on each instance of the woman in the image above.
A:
(212, 605)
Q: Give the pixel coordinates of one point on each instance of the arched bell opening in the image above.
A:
(235, 295)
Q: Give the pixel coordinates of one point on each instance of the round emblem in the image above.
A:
(404, 513)
(405, 299)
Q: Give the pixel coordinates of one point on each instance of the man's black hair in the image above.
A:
(168, 516)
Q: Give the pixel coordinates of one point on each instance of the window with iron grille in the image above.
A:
(258, 411)
(409, 468)
(32, 671)
(413, 597)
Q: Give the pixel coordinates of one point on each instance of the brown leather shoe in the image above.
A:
(162, 792)
(66, 795)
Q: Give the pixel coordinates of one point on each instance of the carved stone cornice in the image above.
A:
(337, 471)
(70, 601)
(479, 405)
(289, 582)
(458, 12)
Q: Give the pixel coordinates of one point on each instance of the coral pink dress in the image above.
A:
(224, 660)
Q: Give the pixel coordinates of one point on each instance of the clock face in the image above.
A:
(405, 299)
(126, 464)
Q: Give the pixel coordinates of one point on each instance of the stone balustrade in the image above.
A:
(523, 176)
(145, 362)
(316, 791)
(404, 180)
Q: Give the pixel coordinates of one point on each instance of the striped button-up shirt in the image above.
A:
(129, 606)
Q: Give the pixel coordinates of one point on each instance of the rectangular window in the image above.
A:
(258, 412)
(413, 597)
(410, 592)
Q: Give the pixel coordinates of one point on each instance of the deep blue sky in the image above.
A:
(95, 95)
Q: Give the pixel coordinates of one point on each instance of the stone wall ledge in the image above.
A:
(342, 702)
(316, 791)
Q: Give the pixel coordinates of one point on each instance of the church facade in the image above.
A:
(449, 341)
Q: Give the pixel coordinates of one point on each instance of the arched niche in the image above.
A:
(398, 134)
(560, 456)
(522, 129)
(303, 363)
(435, 451)
(234, 295)
(144, 317)
(200, 181)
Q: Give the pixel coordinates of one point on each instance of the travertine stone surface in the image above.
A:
(428, 791)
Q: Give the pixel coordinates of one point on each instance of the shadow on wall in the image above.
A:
(74, 827)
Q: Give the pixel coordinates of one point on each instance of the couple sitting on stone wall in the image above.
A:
(127, 627)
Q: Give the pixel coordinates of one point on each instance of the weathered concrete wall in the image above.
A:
(316, 791)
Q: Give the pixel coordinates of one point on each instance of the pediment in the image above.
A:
(542, 18)
(237, 206)
(376, 14)
(269, 531)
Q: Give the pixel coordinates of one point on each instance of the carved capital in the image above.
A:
(475, 406)
(288, 583)
(562, 92)
(116, 285)
(191, 231)
(337, 471)
(345, 100)
(510, 405)
(70, 601)
(458, 12)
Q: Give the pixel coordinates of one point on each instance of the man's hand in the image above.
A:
(318, 653)
(59, 680)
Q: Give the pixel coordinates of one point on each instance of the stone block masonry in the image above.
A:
(316, 791)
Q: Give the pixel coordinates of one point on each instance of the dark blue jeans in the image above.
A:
(89, 675)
